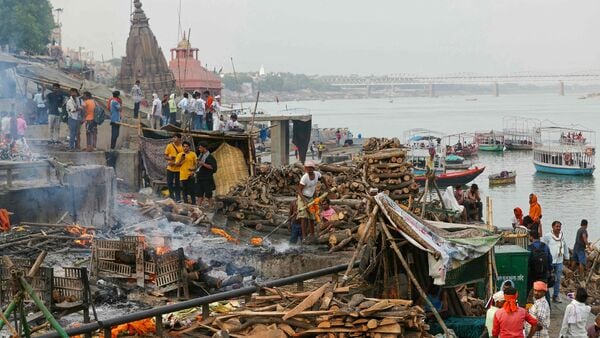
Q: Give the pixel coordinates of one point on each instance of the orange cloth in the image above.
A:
(315, 210)
(535, 210)
(510, 303)
(90, 105)
(4, 220)
(540, 286)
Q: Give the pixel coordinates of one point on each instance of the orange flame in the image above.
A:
(256, 241)
(140, 328)
(189, 263)
(224, 233)
(161, 250)
(85, 235)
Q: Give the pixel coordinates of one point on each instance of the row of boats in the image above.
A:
(555, 150)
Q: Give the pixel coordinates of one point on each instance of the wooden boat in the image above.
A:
(503, 178)
(492, 141)
(454, 178)
(462, 145)
(458, 166)
(557, 152)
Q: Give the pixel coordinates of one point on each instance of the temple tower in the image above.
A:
(144, 59)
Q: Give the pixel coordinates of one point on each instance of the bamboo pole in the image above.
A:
(490, 221)
(414, 280)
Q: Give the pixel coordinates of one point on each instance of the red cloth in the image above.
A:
(511, 325)
(4, 220)
(519, 215)
(510, 303)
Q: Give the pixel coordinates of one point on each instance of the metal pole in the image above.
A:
(43, 308)
(128, 318)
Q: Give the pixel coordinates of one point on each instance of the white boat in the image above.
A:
(518, 132)
(565, 151)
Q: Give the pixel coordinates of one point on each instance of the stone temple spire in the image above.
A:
(144, 59)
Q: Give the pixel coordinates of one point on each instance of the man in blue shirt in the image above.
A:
(115, 118)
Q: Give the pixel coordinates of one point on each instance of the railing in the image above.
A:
(157, 312)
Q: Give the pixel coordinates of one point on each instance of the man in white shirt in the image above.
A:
(187, 119)
(137, 95)
(183, 106)
(199, 114)
(233, 124)
(305, 194)
(156, 111)
(555, 240)
(40, 104)
(74, 110)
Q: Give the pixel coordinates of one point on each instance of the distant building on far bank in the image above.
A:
(188, 71)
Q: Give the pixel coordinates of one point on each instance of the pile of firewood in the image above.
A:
(173, 211)
(385, 167)
(571, 279)
(325, 312)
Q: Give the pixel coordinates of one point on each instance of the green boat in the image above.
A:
(492, 141)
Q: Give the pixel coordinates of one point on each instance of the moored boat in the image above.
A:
(461, 145)
(492, 141)
(565, 151)
(453, 178)
(518, 132)
(454, 159)
(503, 178)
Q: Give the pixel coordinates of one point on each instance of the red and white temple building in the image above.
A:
(188, 71)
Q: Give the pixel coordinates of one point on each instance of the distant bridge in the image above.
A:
(460, 78)
(370, 82)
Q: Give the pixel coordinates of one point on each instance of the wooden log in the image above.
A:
(389, 175)
(391, 165)
(307, 302)
(334, 168)
(172, 217)
(341, 244)
(386, 154)
(338, 236)
(396, 186)
(52, 225)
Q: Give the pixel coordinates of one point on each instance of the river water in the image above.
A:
(564, 198)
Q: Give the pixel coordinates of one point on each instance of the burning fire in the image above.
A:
(85, 235)
(189, 263)
(224, 233)
(161, 250)
(256, 241)
(140, 328)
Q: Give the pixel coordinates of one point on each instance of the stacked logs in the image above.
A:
(571, 279)
(325, 312)
(173, 211)
(385, 168)
(258, 203)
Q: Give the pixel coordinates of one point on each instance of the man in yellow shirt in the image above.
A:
(171, 152)
(187, 162)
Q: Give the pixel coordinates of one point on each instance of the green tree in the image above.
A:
(25, 25)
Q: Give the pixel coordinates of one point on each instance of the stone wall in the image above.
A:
(88, 194)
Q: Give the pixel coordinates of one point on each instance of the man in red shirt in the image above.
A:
(509, 321)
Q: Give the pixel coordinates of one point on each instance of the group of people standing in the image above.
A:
(199, 111)
(190, 173)
(78, 110)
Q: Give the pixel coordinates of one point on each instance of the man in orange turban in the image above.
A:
(510, 320)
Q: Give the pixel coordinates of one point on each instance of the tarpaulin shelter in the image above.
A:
(234, 149)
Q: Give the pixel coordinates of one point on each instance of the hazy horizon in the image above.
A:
(351, 37)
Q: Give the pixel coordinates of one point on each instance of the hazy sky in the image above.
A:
(357, 37)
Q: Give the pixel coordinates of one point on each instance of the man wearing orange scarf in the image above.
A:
(509, 321)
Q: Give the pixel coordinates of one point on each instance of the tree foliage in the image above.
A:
(25, 25)
(284, 82)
